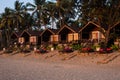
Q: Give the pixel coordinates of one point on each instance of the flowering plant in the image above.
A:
(105, 50)
(86, 49)
(68, 49)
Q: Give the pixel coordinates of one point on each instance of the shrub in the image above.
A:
(76, 46)
(60, 47)
(114, 47)
(87, 49)
(105, 50)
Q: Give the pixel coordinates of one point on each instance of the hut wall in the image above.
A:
(33, 39)
(72, 37)
(95, 34)
(76, 36)
(21, 40)
(102, 36)
(54, 38)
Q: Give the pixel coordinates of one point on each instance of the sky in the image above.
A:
(10, 3)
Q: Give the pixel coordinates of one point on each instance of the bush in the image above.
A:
(86, 49)
(105, 50)
(76, 46)
(60, 47)
(114, 47)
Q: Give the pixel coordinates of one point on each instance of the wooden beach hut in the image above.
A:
(30, 36)
(54, 37)
(68, 34)
(15, 36)
(91, 31)
(48, 36)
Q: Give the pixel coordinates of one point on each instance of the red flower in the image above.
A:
(101, 49)
(86, 49)
(108, 49)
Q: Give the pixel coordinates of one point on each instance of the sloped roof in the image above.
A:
(17, 33)
(91, 23)
(74, 29)
(53, 31)
(32, 32)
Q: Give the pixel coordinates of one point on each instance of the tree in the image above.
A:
(18, 14)
(6, 27)
(61, 11)
(39, 13)
(105, 13)
(11, 21)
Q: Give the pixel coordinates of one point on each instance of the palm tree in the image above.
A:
(27, 22)
(6, 26)
(51, 10)
(18, 14)
(39, 13)
(61, 11)
(11, 20)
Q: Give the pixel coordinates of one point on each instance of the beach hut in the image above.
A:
(54, 37)
(91, 31)
(15, 36)
(48, 36)
(68, 34)
(30, 36)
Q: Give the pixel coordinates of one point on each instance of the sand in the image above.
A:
(56, 66)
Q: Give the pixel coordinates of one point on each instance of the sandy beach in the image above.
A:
(55, 66)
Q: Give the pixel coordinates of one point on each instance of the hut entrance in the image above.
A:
(63, 37)
(39, 40)
(46, 36)
(88, 30)
(85, 35)
(64, 34)
(26, 37)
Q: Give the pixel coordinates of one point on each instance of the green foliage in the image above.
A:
(94, 47)
(114, 47)
(49, 47)
(76, 46)
(59, 47)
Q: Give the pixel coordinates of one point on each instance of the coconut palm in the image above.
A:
(38, 11)
(27, 21)
(18, 14)
(61, 11)
(6, 26)
(11, 20)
